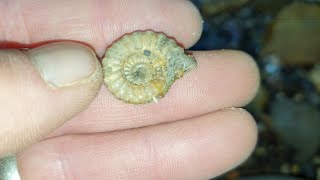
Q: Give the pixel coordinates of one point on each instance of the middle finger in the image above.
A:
(222, 79)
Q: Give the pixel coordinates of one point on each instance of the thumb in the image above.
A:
(42, 88)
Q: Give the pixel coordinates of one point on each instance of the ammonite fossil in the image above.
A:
(141, 66)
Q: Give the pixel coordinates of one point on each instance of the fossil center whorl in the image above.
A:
(142, 67)
(138, 74)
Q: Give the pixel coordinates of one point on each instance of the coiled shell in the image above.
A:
(140, 67)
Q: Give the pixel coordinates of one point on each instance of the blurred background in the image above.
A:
(284, 38)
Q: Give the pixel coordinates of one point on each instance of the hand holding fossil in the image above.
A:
(66, 124)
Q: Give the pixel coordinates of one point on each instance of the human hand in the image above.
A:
(192, 133)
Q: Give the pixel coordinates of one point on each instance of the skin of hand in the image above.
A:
(64, 123)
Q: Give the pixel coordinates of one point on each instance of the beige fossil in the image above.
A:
(141, 66)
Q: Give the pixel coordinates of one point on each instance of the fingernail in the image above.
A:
(65, 63)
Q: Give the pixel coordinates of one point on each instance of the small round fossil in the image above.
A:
(141, 66)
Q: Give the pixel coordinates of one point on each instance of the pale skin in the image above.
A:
(197, 131)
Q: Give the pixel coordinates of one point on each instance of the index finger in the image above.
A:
(96, 22)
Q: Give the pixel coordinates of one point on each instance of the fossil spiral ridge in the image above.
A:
(141, 66)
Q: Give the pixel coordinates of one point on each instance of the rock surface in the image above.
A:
(295, 35)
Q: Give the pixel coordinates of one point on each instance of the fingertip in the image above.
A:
(231, 137)
(249, 130)
(250, 67)
(197, 21)
(239, 73)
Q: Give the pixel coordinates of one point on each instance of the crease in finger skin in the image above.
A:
(197, 148)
